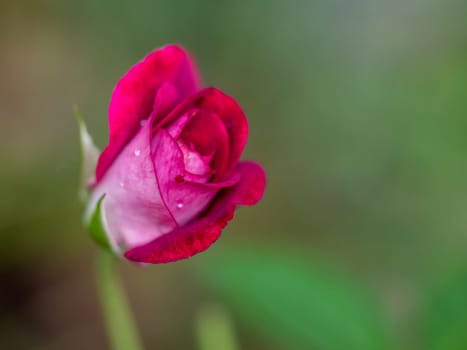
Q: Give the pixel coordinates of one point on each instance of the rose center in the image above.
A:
(195, 163)
(196, 156)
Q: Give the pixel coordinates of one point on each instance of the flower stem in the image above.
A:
(215, 329)
(120, 325)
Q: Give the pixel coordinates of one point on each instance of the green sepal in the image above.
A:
(89, 156)
(96, 228)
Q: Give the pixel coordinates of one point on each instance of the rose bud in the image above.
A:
(170, 178)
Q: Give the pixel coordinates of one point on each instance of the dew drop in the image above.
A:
(179, 205)
(137, 152)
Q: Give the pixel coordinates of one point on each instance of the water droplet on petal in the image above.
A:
(179, 205)
(137, 152)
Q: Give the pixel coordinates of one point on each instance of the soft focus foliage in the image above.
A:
(357, 109)
(445, 319)
(295, 303)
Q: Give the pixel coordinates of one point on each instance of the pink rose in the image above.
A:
(170, 178)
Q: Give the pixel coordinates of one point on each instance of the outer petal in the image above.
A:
(134, 212)
(133, 96)
(227, 109)
(198, 235)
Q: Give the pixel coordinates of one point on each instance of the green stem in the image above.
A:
(215, 330)
(121, 328)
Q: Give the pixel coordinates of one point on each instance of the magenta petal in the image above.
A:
(208, 135)
(228, 111)
(184, 199)
(133, 96)
(195, 237)
(133, 209)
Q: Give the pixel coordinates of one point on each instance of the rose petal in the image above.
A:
(133, 96)
(197, 236)
(226, 108)
(183, 199)
(133, 210)
(207, 134)
(195, 163)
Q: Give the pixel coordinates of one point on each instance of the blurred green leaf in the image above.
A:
(446, 315)
(295, 303)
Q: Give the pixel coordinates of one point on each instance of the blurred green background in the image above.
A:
(358, 111)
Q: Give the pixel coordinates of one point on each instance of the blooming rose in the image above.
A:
(170, 178)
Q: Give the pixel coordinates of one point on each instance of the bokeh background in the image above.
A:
(358, 111)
